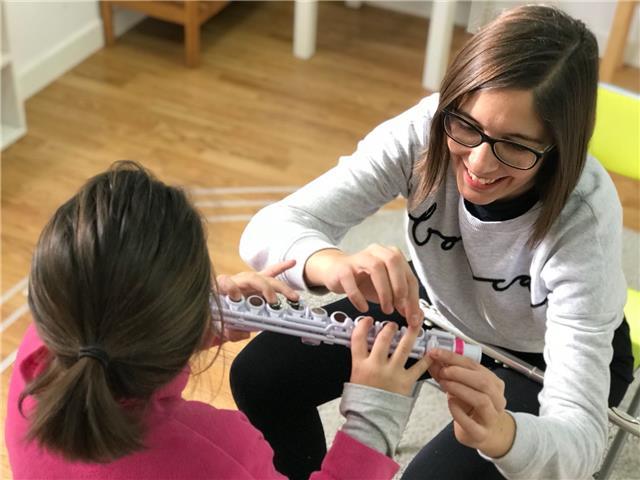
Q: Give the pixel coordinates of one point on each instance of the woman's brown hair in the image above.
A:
(119, 291)
(545, 51)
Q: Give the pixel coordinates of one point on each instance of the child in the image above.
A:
(515, 236)
(119, 290)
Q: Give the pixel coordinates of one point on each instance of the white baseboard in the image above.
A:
(70, 52)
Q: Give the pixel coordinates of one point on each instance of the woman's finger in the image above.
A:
(413, 313)
(461, 417)
(397, 267)
(480, 402)
(350, 287)
(452, 358)
(482, 381)
(377, 270)
(435, 368)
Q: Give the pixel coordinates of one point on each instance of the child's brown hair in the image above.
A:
(119, 291)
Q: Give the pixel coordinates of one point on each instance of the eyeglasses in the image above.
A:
(512, 154)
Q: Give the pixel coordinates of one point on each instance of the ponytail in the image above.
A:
(77, 416)
(119, 292)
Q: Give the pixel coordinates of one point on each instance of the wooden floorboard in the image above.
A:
(251, 115)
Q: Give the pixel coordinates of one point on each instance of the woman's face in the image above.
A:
(505, 115)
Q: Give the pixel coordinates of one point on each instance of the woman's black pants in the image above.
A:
(278, 382)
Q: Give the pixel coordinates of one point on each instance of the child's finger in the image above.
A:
(359, 345)
(253, 282)
(417, 369)
(228, 287)
(235, 335)
(277, 268)
(405, 345)
(284, 289)
(383, 340)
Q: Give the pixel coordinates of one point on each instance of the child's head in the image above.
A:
(551, 57)
(119, 291)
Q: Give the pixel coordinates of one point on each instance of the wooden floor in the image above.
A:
(251, 116)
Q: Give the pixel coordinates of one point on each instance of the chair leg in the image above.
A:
(107, 22)
(612, 58)
(618, 442)
(192, 34)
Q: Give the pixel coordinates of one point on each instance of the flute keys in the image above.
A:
(378, 326)
(235, 305)
(256, 304)
(341, 319)
(318, 313)
(275, 309)
(297, 309)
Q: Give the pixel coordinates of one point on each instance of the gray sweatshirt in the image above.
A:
(564, 298)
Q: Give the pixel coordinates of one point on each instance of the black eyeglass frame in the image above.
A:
(492, 141)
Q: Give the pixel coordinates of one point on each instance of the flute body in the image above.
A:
(314, 326)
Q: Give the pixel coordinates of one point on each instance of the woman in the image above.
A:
(515, 236)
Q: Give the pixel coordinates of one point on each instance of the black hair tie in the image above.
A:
(96, 353)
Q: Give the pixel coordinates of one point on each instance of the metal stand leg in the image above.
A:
(618, 441)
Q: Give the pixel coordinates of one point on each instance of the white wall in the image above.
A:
(421, 8)
(597, 15)
(47, 38)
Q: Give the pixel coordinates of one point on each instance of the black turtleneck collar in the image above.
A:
(502, 210)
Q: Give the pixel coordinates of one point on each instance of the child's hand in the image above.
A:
(476, 401)
(254, 283)
(258, 283)
(379, 370)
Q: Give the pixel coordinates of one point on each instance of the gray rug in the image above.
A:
(430, 414)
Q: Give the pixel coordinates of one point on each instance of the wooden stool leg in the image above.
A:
(107, 22)
(612, 58)
(192, 34)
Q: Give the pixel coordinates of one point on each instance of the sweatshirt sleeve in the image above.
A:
(363, 448)
(586, 295)
(318, 215)
(376, 417)
(350, 459)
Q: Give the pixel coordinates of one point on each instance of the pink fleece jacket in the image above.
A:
(185, 439)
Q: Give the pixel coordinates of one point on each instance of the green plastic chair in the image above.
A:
(616, 144)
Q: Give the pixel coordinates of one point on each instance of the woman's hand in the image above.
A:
(476, 401)
(377, 274)
(379, 370)
(255, 283)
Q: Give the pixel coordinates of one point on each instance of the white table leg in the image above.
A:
(438, 43)
(304, 28)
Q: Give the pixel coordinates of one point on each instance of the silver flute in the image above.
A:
(314, 325)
